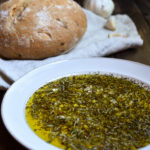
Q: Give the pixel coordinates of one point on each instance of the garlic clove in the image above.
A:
(111, 23)
(103, 8)
(110, 35)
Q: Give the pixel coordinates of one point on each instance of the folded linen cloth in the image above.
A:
(94, 43)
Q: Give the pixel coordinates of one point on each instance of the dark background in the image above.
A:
(139, 11)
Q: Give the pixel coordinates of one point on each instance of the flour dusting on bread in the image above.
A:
(4, 14)
(59, 7)
(27, 10)
(44, 19)
(24, 41)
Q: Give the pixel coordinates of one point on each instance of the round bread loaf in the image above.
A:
(37, 29)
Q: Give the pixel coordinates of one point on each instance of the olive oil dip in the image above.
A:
(91, 112)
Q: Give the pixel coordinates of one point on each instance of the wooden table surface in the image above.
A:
(139, 11)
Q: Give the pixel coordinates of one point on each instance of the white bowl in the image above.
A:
(15, 99)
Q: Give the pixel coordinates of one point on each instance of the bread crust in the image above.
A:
(37, 29)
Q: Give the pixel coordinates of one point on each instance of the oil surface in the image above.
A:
(91, 112)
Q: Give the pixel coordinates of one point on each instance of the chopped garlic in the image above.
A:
(110, 35)
(111, 23)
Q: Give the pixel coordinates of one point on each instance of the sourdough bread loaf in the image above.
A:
(37, 29)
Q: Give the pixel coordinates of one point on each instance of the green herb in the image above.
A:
(92, 112)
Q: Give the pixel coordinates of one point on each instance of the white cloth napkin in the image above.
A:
(94, 43)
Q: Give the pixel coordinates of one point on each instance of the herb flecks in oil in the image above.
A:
(91, 112)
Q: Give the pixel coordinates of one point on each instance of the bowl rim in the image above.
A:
(144, 69)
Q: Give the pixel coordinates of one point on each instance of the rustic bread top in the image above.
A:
(36, 29)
